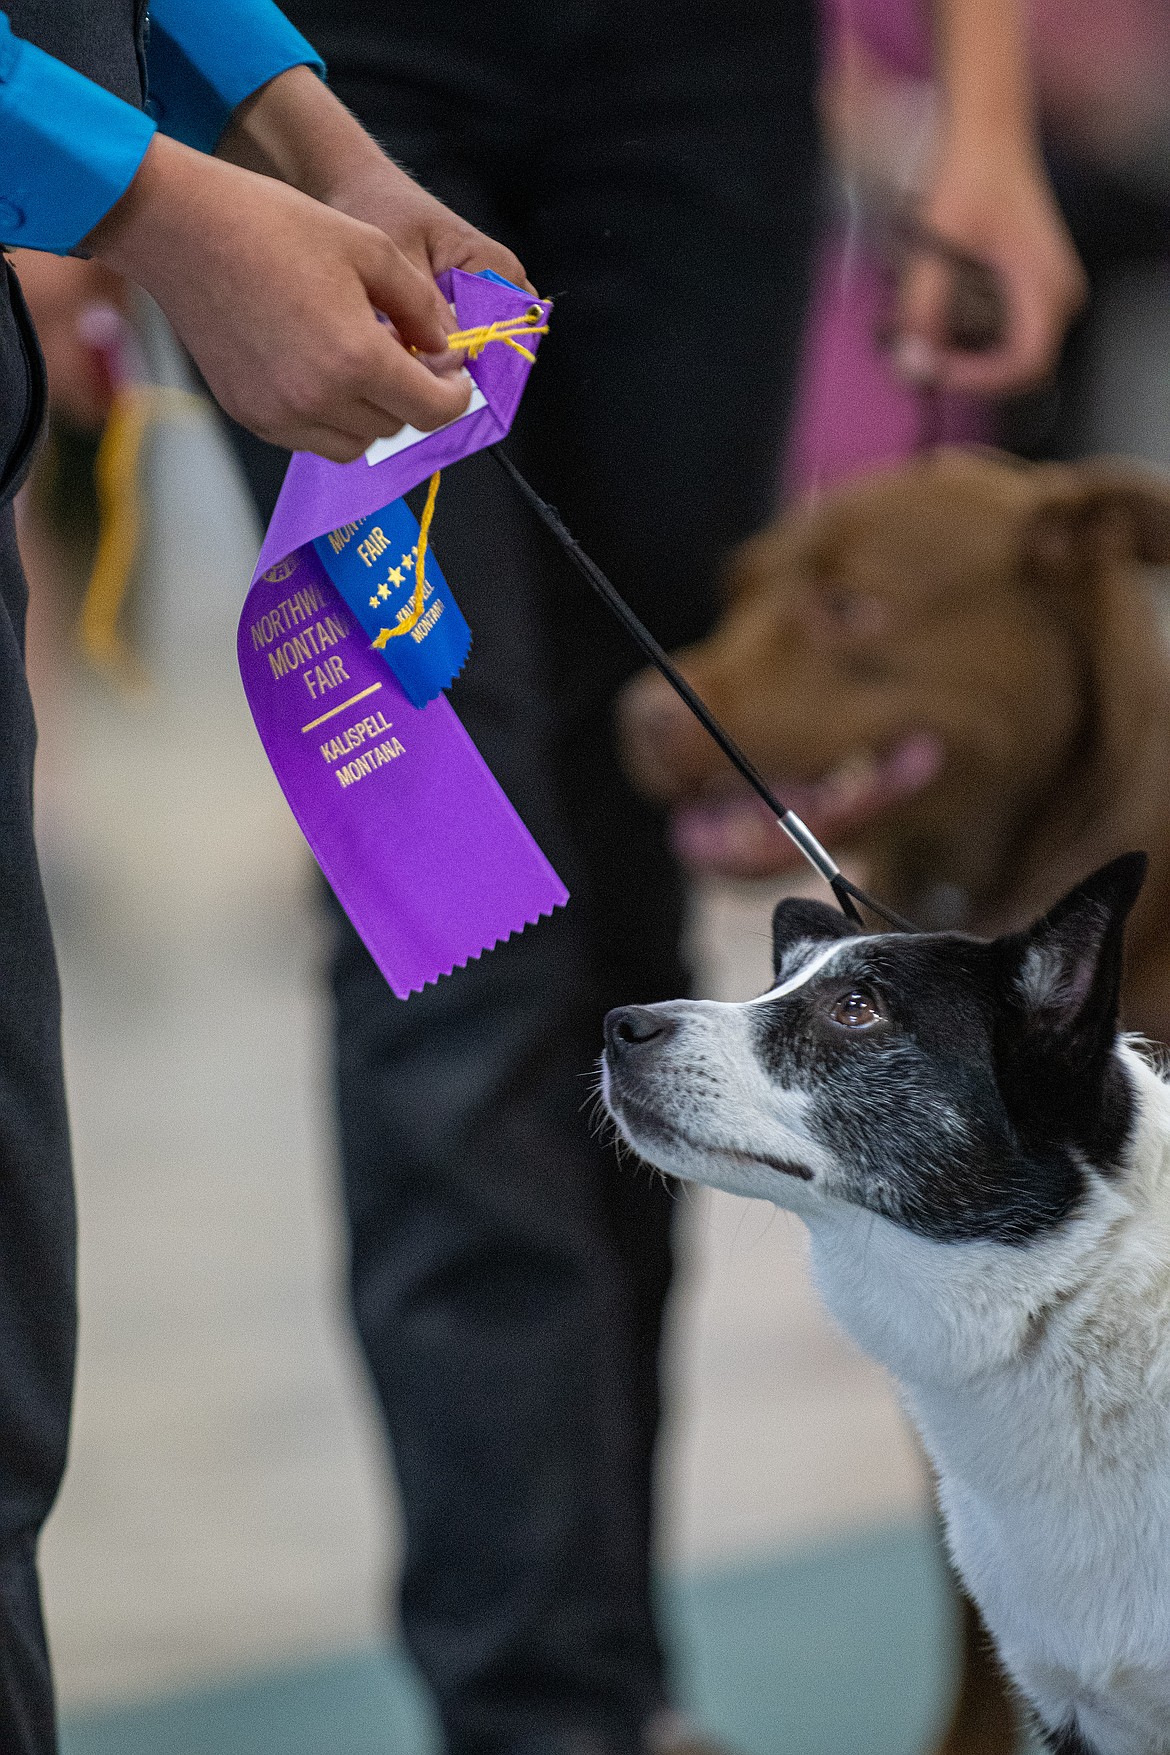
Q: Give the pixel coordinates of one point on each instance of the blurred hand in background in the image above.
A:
(77, 307)
(987, 192)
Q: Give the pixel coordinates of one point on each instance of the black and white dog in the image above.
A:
(984, 1169)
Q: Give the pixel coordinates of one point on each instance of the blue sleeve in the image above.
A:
(204, 57)
(68, 149)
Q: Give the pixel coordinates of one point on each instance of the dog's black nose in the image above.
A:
(632, 1025)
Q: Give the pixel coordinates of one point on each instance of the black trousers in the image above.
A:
(37, 1287)
(655, 169)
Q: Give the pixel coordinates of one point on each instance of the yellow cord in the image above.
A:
(424, 531)
(471, 342)
(135, 407)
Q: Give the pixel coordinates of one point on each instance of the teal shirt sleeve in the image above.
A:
(69, 149)
(203, 57)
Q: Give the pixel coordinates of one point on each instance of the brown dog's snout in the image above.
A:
(665, 749)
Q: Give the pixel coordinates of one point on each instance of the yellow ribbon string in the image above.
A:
(424, 531)
(116, 480)
(471, 342)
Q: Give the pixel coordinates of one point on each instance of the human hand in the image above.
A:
(429, 234)
(64, 296)
(277, 298)
(998, 208)
(295, 129)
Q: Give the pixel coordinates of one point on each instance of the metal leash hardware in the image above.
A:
(848, 894)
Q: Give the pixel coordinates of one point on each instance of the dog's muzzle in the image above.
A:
(631, 1069)
(633, 1027)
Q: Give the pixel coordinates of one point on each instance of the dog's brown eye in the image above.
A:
(856, 1010)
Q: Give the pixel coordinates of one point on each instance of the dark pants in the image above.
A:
(654, 168)
(37, 1293)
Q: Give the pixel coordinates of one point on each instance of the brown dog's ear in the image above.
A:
(752, 569)
(1085, 513)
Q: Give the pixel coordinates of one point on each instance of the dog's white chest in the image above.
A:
(1079, 1606)
(1051, 1440)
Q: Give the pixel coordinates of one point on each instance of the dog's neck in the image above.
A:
(1036, 1377)
(944, 1316)
(957, 1322)
(1111, 793)
(1116, 779)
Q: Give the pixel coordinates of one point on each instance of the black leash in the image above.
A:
(848, 894)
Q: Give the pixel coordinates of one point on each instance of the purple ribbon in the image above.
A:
(418, 840)
(318, 496)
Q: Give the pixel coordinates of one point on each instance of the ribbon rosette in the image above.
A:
(418, 840)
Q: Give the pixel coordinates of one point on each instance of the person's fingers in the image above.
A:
(448, 242)
(341, 434)
(1024, 360)
(446, 364)
(1011, 226)
(331, 443)
(486, 253)
(1037, 307)
(342, 380)
(404, 293)
(361, 425)
(401, 388)
(923, 302)
(338, 444)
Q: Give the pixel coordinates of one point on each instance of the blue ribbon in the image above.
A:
(372, 563)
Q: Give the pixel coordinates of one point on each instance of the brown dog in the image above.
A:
(956, 672)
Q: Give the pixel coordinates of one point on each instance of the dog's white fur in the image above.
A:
(1040, 1382)
(1039, 1377)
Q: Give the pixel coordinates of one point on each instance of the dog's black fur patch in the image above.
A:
(1068, 1741)
(976, 1104)
(797, 923)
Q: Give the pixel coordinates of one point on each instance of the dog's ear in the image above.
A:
(1066, 970)
(796, 921)
(1086, 512)
(1059, 985)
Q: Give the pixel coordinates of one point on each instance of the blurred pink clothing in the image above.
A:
(1078, 46)
(851, 413)
(896, 32)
